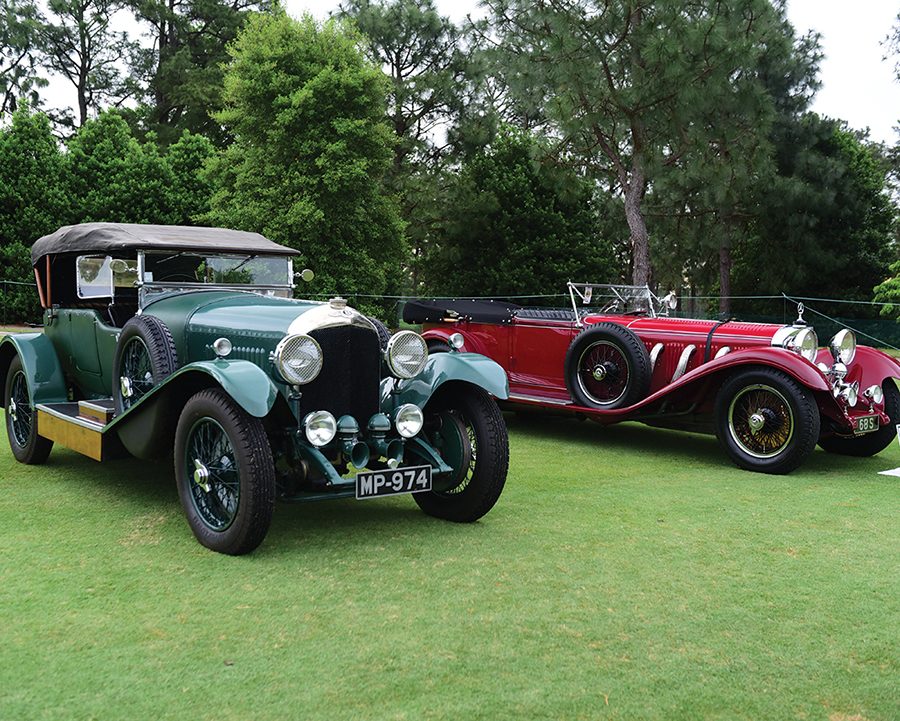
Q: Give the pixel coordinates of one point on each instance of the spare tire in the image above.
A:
(384, 335)
(145, 355)
(607, 366)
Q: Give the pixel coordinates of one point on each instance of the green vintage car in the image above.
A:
(165, 339)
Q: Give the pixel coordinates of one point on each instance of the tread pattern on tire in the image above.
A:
(38, 448)
(629, 344)
(384, 334)
(482, 493)
(250, 436)
(160, 345)
(806, 421)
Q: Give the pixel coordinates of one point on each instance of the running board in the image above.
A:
(64, 423)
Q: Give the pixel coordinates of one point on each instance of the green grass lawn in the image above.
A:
(626, 573)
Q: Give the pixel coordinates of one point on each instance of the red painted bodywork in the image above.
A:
(533, 351)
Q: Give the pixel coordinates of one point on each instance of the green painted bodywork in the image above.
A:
(43, 373)
(86, 347)
(442, 368)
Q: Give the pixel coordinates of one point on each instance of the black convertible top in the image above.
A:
(482, 311)
(112, 237)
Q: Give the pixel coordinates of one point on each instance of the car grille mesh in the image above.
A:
(351, 371)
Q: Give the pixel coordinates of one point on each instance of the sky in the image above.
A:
(858, 85)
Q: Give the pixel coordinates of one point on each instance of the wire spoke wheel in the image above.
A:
(137, 372)
(603, 372)
(761, 421)
(210, 463)
(19, 413)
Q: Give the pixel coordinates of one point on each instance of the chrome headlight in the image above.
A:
(406, 354)
(320, 428)
(843, 346)
(298, 359)
(409, 420)
(806, 343)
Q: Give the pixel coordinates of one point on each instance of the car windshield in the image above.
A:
(619, 299)
(182, 269)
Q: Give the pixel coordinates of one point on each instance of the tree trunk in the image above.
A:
(725, 279)
(640, 238)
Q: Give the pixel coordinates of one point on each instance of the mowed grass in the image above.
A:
(626, 573)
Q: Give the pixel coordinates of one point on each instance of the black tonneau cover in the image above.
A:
(116, 237)
(482, 311)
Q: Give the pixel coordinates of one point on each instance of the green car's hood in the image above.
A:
(248, 320)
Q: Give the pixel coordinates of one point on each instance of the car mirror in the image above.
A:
(306, 275)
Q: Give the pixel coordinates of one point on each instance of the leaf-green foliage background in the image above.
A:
(625, 573)
(307, 112)
(403, 153)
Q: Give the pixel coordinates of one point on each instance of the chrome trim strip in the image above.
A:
(723, 351)
(683, 361)
(654, 355)
(540, 399)
(83, 422)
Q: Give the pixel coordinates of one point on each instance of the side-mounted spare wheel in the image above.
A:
(145, 356)
(766, 421)
(607, 366)
(870, 443)
(464, 424)
(225, 473)
(21, 418)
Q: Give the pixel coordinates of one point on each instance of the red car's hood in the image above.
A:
(691, 330)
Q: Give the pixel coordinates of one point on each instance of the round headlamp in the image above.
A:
(320, 428)
(406, 354)
(843, 346)
(409, 420)
(456, 340)
(298, 359)
(874, 393)
(806, 343)
(850, 394)
(222, 347)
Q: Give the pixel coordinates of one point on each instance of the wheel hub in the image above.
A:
(125, 384)
(756, 421)
(599, 372)
(12, 410)
(201, 475)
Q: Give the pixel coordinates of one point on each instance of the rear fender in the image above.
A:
(43, 372)
(442, 368)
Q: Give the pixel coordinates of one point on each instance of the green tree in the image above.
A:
(182, 70)
(18, 54)
(518, 226)
(114, 177)
(825, 227)
(81, 45)
(632, 86)
(32, 203)
(307, 111)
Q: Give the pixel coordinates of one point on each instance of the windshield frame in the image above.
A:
(146, 288)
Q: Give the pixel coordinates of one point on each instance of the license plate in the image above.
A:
(393, 481)
(865, 424)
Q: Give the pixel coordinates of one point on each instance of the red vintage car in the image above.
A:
(768, 392)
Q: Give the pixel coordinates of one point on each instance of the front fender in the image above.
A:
(439, 369)
(786, 361)
(870, 366)
(43, 372)
(147, 429)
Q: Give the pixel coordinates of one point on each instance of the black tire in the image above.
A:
(467, 424)
(607, 366)
(766, 421)
(437, 346)
(871, 443)
(145, 356)
(228, 506)
(384, 335)
(21, 419)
